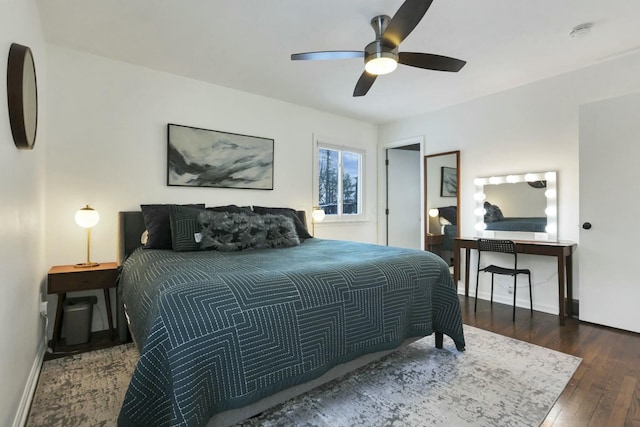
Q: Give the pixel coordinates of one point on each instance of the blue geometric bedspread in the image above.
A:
(221, 330)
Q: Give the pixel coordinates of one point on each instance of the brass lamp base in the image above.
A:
(87, 264)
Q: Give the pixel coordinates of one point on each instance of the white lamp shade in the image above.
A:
(434, 212)
(87, 217)
(317, 214)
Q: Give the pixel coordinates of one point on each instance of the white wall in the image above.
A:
(517, 200)
(108, 148)
(22, 267)
(530, 128)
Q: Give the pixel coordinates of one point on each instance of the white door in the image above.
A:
(609, 290)
(403, 192)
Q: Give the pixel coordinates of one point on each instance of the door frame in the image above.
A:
(382, 185)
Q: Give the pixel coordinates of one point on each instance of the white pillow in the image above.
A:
(443, 221)
(144, 237)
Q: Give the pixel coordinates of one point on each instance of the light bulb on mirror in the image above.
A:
(481, 226)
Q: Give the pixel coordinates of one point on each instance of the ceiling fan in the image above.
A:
(381, 56)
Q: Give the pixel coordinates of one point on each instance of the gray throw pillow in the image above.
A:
(158, 225)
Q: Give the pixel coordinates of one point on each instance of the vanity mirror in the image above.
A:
(442, 199)
(520, 206)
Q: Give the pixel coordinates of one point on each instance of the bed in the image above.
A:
(496, 221)
(224, 335)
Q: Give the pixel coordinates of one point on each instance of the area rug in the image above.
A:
(496, 381)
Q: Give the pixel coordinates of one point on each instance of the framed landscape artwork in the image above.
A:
(449, 182)
(208, 158)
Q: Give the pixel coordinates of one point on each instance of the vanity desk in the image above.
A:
(561, 250)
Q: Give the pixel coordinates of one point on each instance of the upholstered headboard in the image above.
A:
(131, 227)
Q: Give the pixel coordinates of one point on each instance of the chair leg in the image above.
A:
(530, 295)
(475, 305)
(491, 288)
(515, 280)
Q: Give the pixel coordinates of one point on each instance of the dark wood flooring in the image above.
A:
(604, 391)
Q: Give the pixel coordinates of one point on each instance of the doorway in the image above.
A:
(404, 195)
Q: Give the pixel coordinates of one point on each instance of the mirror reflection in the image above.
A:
(442, 174)
(517, 206)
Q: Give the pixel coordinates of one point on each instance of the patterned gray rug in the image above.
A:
(497, 381)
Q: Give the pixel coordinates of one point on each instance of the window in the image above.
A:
(340, 181)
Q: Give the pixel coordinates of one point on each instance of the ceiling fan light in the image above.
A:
(381, 65)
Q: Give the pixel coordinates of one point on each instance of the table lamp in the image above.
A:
(434, 221)
(87, 217)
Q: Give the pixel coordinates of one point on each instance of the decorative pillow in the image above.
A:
(301, 228)
(156, 221)
(227, 231)
(185, 228)
(450, 213)
(493, 213)
(231, 208)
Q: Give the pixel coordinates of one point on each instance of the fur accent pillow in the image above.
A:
(494, 213)
(301, 228)
(228, 231)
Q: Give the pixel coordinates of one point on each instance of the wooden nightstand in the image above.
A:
(68, 278)
(431, 241)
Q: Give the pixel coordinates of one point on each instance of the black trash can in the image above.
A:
(78, 314)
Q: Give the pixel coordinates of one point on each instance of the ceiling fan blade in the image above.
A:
(430, 61)
(364, 84)
(328, 54)
(405, 20)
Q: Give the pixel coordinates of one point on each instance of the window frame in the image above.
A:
(340, 217)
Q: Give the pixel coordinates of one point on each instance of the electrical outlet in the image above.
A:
(43, 305)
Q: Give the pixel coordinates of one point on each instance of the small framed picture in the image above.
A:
(449, 182)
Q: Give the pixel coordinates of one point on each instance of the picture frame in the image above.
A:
(199, 157)
(448, 182)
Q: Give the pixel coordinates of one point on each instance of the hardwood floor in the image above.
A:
(604, 391)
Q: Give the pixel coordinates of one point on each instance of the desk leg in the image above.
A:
(107, 303)
(57, 324)
(569, 265)
(467, 256)
(561, 303)
(456, 263)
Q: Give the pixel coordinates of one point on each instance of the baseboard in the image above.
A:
(27, 395)
(575, 304)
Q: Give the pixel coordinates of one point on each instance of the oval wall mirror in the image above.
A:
(22, 96)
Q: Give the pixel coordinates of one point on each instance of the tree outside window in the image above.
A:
(339, 183)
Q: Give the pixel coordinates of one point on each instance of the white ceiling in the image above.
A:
(246, 45)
